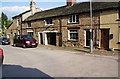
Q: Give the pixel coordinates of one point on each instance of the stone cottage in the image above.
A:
(69, 25)
(16, 26)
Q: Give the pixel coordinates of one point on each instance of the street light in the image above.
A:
(91, 41)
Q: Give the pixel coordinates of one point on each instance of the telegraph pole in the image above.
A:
(91, 40)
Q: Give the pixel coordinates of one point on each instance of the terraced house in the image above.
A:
(69, 25)
(16, 26)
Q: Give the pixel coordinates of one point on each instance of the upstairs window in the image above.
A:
(18, 21)
(74, 19)
(48, 21)
(29, 24)
(73, 35)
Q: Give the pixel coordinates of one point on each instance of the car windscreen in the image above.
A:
(27, 37)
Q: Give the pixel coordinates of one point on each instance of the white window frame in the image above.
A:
(30, 32)
(69, 34)
(18, 21)
(73, 19)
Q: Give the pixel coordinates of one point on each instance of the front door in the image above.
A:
(87, 38)
(41, 38)
(105, 38)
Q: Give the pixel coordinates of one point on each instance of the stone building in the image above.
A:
(16, 25)
(69, 25)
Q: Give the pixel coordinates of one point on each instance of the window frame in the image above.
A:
(74, 19)
(30, 33)
(72, 38)
(18, 21)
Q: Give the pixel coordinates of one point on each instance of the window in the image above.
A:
(74, 19)
(29, 24)
(30, 33)
(18, 21)
(8, 35)
(48, 21)
(18, 32)
(73, 35)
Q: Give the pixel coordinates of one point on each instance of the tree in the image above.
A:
(4, 23)
(8, 23)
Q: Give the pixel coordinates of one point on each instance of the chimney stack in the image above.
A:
(32, 6)
(70, 2)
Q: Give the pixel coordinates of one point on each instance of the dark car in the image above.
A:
(24, 41)
(1, 56)
(4, 41)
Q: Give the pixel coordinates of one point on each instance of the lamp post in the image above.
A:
(91, 40)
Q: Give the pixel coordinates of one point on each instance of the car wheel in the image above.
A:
(24, 46)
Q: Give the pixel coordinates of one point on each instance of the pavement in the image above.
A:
(52, 62)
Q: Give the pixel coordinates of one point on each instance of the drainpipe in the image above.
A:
(60, 33)
(21, 24)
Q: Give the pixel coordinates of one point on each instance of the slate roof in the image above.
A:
(76, 8)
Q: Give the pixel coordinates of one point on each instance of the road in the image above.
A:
(42, 62)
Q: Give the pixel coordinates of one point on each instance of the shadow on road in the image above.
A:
(19, 71)
(85, 51)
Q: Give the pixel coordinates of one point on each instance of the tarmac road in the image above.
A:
(42, 62)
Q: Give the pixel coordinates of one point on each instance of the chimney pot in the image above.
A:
(70, 2)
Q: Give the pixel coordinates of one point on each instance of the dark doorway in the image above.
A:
(105, 38)
(51, 38)
(41, 38)
(87, 38)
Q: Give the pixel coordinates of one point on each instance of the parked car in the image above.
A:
(1, 56)
(24, 41)
(4, 41)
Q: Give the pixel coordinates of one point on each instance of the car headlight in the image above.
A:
(27, 41)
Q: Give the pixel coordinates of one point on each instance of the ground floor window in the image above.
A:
(30, 33)
(18, 32)
(73, 35)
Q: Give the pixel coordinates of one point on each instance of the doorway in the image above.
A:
(40, 38)
(87, 38)
(105, 38)
(51, 37)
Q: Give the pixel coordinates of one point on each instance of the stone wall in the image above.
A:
(40, 26)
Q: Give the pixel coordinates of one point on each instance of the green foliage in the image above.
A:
(8, 23)
(4, 23)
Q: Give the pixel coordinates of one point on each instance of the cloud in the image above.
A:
(13, 10)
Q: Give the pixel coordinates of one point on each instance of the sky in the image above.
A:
(15, 7)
